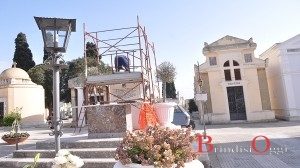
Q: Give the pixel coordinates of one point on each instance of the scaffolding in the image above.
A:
(137, 83)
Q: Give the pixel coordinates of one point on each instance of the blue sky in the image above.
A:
(178, 28)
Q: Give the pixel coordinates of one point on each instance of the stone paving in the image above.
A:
(233, 145)
(40, 133)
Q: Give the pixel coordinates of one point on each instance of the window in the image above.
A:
(226, 64)
(227, 75)
(235, 63)
(237, 74)
(212, 61)
(177, 109)
(248, 58)
(228, 70)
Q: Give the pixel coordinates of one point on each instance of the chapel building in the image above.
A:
(235, 82)
(18, 91)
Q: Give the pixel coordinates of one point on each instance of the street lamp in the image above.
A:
(202, 97)
(56, 33)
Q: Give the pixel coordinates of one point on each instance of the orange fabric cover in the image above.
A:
(147, 116)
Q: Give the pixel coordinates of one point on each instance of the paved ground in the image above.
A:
(232, 143)
(40, 133)
(233, 147)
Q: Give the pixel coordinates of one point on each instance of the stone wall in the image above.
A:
(109, 121)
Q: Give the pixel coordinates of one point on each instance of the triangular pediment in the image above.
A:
(228, 40)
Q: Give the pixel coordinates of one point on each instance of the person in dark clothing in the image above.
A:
(122, 62)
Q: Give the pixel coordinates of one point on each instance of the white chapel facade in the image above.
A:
(235, 82)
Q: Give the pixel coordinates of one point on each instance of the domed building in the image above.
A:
(18, 91)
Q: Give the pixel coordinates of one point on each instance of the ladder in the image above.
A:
(82, 120)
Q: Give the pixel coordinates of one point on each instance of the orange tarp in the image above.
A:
(147, 116)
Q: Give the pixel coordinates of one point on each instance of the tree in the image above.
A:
(48, 83)
(92, 51)
(166, 72)
(23, 55)
(43, 77)
(37, 74)
(192, 106)
(76, 68)
(170, 90)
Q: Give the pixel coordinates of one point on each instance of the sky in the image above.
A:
(178, 28)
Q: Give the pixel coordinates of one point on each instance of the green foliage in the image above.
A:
(23, 55)
(170, 90)
(43, 77)
(36, 158)
(166, 72)
(91, 50)
(13, 134)
(48, 86)
(37, 74)
(15, 114)
(76, 68)
(192, 106)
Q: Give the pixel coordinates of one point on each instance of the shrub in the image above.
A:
(192, 106)
(15, 114)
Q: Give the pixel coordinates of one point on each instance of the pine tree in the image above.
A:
(23, 55)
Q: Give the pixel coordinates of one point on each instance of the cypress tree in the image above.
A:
(23, 55)
(171, 91)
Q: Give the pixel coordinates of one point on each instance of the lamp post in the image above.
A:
(202, 97)
(56, 33)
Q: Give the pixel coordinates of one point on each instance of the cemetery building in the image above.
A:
(18, 91)
(283, 74)
(235, 82)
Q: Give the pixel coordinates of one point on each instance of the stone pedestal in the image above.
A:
(108, 121)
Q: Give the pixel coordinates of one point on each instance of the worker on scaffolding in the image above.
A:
(122, 63)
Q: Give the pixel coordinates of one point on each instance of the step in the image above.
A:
(82, 153)
(48, 162)
(84, 143)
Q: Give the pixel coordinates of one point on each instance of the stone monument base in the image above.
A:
(109, 121)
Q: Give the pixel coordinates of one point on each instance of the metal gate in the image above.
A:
(236, 103)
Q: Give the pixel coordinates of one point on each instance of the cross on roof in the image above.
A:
(15, 65)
